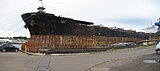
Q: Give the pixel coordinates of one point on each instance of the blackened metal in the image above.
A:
(48, 30)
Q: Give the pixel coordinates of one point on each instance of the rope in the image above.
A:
(29, 19)
(11, 23)
(14, 25)
(6, 26)
(21, 27)
(15, 31)
(9, 28)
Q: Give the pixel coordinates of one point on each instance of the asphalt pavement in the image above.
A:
(101, 61)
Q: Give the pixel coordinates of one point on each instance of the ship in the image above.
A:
(62, 34)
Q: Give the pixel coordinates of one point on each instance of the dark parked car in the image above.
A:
(4, 47)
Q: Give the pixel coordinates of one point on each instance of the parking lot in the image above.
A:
(117, 60)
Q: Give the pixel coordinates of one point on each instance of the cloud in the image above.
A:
(131, 20)
(122, 13)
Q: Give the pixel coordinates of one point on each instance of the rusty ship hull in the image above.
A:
(68, 35)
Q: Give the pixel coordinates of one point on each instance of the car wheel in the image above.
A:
(16, 50)
(3, 50)
(158, 51)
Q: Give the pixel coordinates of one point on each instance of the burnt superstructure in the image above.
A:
(49, 24)
(46, 24)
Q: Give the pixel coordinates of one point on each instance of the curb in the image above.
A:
(42, 54)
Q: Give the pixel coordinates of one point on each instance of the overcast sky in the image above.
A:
(127, 14)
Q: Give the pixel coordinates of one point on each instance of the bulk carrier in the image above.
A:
(63, 34)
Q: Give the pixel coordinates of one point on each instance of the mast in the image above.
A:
(41, 7)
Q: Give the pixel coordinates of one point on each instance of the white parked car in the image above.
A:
(158, 48)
